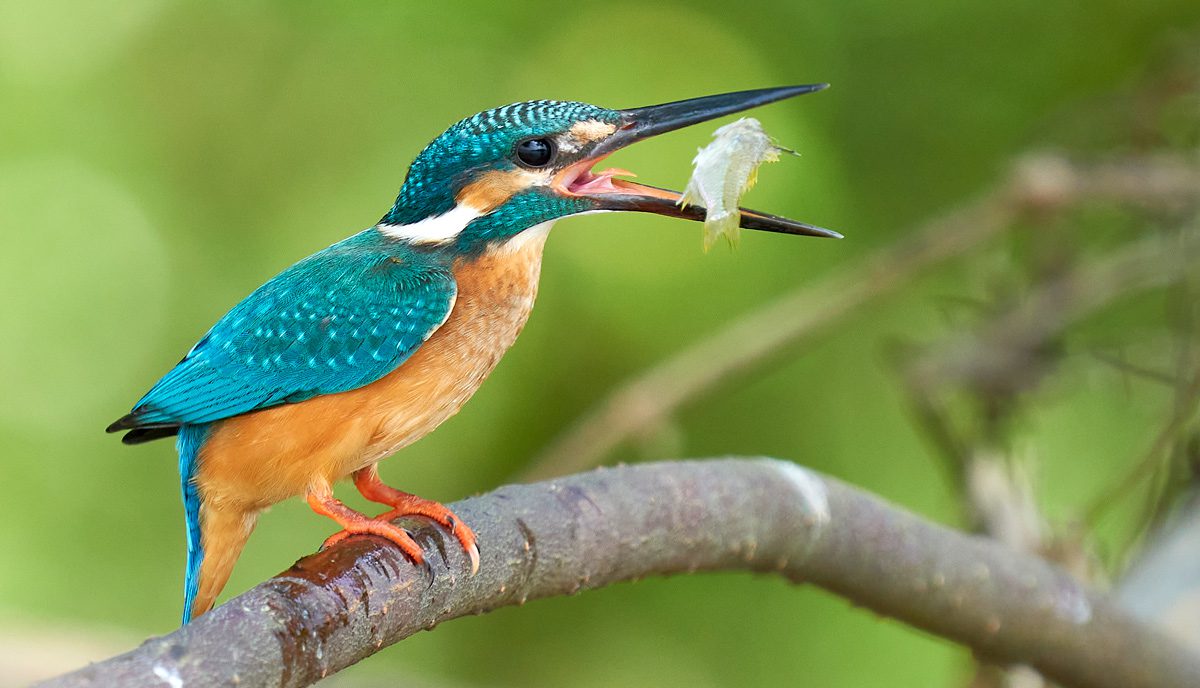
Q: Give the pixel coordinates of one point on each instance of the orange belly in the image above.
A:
(252, 461)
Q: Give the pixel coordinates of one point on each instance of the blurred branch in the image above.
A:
(996, 359)
(1041, 183)
(1014, 350)
(1163, 585)
(336, 607)
(1003, 504)
(1143, 372)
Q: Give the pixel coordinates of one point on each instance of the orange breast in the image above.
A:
(260, 458)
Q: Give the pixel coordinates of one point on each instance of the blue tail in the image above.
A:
(191, 438)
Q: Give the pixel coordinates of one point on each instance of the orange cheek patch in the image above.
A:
(492, 189)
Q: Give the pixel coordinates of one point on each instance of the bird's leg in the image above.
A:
(322, 501)
(404, 504)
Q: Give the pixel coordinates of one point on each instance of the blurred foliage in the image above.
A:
(158, 160)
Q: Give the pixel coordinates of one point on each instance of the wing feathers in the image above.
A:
(336, 321)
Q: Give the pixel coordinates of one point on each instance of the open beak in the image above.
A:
(610, 193)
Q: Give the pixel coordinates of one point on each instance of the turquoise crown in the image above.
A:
(484, 141)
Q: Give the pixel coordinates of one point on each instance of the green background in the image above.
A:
(158, 160)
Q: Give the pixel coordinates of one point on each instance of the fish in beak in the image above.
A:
(610, 193)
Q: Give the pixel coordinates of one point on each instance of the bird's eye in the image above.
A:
(535, 152)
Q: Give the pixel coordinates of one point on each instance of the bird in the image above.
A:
(361, 349)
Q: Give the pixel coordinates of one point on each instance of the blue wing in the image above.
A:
(333, 322)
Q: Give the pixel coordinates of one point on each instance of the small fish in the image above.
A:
(724, 170)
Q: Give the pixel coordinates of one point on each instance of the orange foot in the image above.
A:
(353, 523)
(403, 504)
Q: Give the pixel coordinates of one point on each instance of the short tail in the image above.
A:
(215, 534)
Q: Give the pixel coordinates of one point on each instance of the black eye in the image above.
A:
(535, 152)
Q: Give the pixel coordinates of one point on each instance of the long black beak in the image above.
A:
(644, 122)
(651, 199)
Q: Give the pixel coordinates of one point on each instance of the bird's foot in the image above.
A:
(354, 523)
(436, 512)
(404, 504)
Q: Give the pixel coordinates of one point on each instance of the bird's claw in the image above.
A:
(382, 526)
(473, 555)
(387, 530)
(406, 504)
(446, 518)
(466, 538)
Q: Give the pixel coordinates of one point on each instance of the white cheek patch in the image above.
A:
(529, 178)
(592, 130)
(534, 236)
(433, 230)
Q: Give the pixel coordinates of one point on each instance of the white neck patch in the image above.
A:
(535, 235)
(433, 230)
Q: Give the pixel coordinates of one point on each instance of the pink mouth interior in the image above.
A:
(595, 182)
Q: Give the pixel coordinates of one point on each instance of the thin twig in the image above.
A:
(1133, 369)
(1185, 410)
(998, 355)
(337, 607)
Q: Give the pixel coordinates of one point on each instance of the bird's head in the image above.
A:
(496, 174)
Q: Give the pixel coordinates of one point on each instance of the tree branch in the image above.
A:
(997, 357)
(1037, 183)
(337, 607)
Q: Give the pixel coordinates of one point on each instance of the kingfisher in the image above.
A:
(368, 345)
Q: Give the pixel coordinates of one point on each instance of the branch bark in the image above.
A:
(339, 606)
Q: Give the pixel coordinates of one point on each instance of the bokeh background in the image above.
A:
(160, 159)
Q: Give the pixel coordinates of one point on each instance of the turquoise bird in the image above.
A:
(365, 347)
